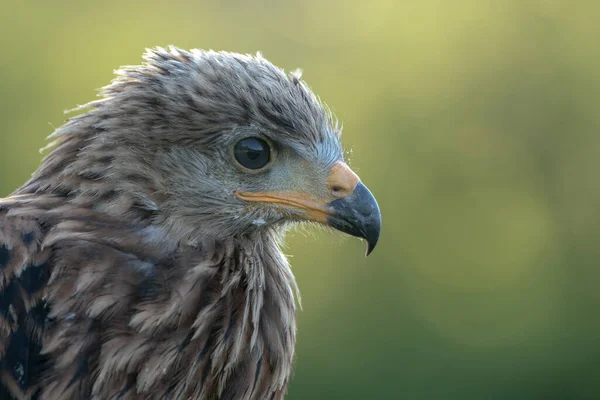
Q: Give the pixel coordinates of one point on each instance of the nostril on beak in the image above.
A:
(339, 191)
(341, 180)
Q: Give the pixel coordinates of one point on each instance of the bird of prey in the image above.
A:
(142, 261)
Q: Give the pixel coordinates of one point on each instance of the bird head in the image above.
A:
(230, 145)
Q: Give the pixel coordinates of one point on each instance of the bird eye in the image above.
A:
(252, 153)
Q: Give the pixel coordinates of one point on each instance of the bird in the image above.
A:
(142, 259)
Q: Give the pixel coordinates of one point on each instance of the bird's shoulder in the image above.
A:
(56, 259)
(24, 270)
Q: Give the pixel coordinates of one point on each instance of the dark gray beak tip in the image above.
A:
(370, 247)
(357, 215)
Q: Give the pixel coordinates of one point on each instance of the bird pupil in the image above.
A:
(252, 153)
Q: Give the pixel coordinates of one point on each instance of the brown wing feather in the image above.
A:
(24, 271)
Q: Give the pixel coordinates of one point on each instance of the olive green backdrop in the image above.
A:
(475, 124)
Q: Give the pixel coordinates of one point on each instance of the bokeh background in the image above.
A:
(476, 125)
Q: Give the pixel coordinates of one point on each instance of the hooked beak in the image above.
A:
(350, 207)
(357, 215)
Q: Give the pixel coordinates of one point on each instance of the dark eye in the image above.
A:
(252, 153)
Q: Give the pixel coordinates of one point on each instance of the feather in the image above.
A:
(108, 318)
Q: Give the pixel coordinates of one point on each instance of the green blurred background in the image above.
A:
(475, 124)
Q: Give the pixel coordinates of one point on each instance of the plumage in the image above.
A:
(141, 261)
